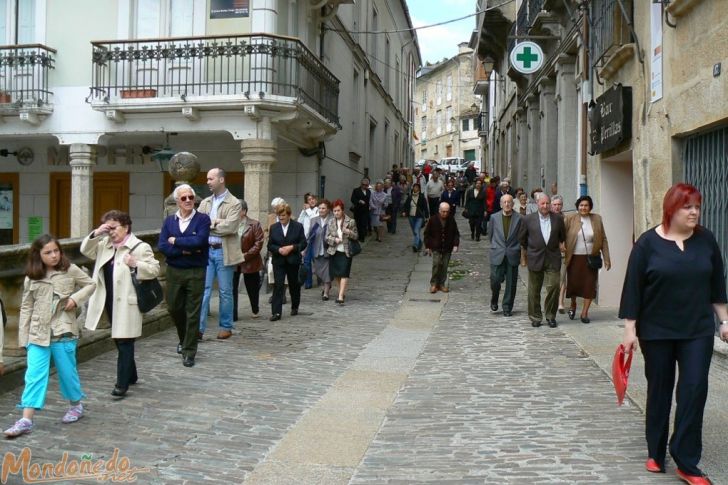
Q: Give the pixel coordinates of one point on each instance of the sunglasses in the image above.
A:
(185, 198)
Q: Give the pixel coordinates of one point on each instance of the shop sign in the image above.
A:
(228, 9)
(610, 119)
(527, 57)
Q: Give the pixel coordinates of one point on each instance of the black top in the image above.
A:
(670, 292)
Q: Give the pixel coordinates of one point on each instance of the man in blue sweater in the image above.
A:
(184, 241)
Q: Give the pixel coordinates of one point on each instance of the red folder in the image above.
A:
(620, 372)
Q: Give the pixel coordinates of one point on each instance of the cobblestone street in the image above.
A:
(397, 386)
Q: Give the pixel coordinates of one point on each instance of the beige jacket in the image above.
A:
(41, 309)
(332, 231)
(227, 229)
(573, 232)
(126, 320)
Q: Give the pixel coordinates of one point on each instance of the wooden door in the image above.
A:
(9, 200)
(60, 204)
(111, 191)
(448, 151)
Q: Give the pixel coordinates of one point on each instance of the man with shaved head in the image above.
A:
(225, 254)
(442, 238)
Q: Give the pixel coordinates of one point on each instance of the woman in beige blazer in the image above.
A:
(584, 236)
(110, 245)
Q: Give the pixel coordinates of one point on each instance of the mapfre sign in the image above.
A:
(610, 119)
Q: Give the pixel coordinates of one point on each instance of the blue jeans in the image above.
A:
(416, 225)
(38, 371)
(216, 269)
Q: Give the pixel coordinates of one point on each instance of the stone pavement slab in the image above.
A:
(493, 400)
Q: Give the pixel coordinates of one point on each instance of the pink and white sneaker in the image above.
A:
(73, 414)
(21, 426)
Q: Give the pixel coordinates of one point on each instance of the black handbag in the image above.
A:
(594, 262)
(354, 247)
(149, 292)
(466, 214)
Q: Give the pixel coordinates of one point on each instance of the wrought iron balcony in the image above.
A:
(483, 124)
(610, 30)
(24, 73)
(200, 69)
(534, 7)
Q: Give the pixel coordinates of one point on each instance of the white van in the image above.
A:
(453, 164)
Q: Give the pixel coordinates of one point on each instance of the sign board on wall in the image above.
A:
(527, 57)
(35, 227)
(227, 9)
(656, 49)
(610, 119)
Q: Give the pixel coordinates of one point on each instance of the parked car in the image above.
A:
(421, 163)
(453, 164)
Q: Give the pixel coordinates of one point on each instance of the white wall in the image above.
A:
(616, 209)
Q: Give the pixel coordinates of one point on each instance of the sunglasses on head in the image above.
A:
(185, 198)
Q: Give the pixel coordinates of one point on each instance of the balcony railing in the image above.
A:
(534, 7)
(512, 38)
(24, 76)
(483, 124)
(610, 30)
(522, 23)
(251, 66)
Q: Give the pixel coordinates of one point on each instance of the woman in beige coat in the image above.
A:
(585, 236)
(110, 245)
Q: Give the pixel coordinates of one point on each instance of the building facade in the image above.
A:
(630, 100)
(446, 109)
(285, 95)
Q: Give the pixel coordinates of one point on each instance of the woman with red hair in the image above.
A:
(673, 287)
(341, 230)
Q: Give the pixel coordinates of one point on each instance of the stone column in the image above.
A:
(82, 159)
(567, 104)
(258, 156)
(547, 89)
(520, 166)
(533, 174)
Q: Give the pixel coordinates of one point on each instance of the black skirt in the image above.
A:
(581, 280)
(339, 265)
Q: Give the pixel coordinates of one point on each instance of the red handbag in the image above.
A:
(620, 372)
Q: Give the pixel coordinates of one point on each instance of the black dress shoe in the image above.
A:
(188, 361)
(294, 312)
(535, 323)
(507, 313)
(585, 320)
(552, 323)
(275, 317)
(494, 307)
(118, 391)
(179, 348)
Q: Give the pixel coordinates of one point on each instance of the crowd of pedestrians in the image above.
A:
(674, 284)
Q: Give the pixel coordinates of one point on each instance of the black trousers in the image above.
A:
(476, 226)
(362, 223)
(280, 271)
(498, 274)
(126, 370)
(692, 357)
(252, 287)
(185, 288)
(433, 203)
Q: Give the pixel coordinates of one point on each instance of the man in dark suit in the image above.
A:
(505, 251)
(542, 234)
(286, 243)
(360, 197)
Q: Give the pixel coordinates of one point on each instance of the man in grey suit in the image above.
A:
(542, 235)
(505, 251)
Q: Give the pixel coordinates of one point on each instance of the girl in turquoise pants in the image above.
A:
(47, 328)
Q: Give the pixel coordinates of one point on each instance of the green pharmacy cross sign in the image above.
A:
(527, 57)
